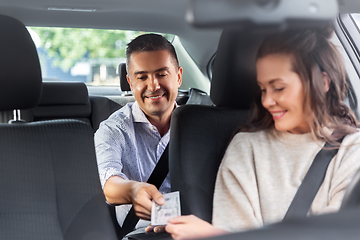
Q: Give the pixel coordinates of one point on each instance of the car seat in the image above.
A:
(124, 85)
(101, 108)
(61, 100)
(49, 183)
(200, 134)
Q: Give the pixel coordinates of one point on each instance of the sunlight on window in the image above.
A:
(86, 55)
(356, 17)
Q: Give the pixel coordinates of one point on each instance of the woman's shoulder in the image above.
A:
(350, 145)
(243, 146)
(252, 139)
(348, 154)
(246, 136)
(353, 138)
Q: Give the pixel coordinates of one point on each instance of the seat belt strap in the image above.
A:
(314, 178)
(197, 96)
(156, 178)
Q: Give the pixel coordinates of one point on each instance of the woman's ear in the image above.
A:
(326, 81)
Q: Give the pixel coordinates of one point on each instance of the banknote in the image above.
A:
(161, 213)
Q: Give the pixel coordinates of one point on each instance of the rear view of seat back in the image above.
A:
(49, 183)
(101, 109)
(200, 134)
(71, 100)
(124, 85)
(61, 100)
(68, 100)
(199, 137)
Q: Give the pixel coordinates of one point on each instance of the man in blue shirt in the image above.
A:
(131, 141)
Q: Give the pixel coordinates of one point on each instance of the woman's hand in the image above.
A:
(156, 229)
(190, 226)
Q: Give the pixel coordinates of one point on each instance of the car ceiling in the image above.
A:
(166, 16)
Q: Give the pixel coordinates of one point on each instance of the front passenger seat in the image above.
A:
(200, 134)
(49, 183)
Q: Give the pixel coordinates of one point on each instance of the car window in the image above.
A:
(79, 54)
(356, 17)
(348, 36)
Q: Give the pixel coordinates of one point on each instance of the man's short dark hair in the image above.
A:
(150, 42)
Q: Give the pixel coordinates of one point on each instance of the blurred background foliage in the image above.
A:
(66, 46)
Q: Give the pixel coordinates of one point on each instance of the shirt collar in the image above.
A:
(139, 115)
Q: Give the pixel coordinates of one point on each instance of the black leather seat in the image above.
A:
(101, 109)
(67, 100)
(200, 134)
(61, 100)
(49, 182)
(124, 85)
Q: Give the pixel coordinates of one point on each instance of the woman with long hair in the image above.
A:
(300, 107)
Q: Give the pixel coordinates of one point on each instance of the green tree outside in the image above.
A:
(66, 46)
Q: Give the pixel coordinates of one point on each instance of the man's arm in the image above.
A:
(118, 191)
(109, 142)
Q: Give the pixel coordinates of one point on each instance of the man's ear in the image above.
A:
(326, 81)
(180, 72)
(129, 81)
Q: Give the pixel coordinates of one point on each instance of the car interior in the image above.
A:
(50, 187)
(232, 94)
(43, 160)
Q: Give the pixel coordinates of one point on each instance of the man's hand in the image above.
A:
(141, 197)
(120, 191)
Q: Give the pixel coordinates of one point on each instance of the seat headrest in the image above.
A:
(234, 74)
(64, 93)
(20, 81)
(61, 100)
(124, 85)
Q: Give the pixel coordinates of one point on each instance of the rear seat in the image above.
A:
(60, 100)
(71, 100)
(125, 87)
(67, 100)
(101, 108)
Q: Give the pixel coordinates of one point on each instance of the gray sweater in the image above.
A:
(261, 172)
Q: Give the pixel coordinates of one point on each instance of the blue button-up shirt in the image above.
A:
(129, 146)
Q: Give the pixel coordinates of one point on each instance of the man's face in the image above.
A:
(154, 80)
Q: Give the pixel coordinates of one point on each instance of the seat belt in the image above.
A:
(162, 167)
(156, 178)
(197, 96)
(313, 179)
